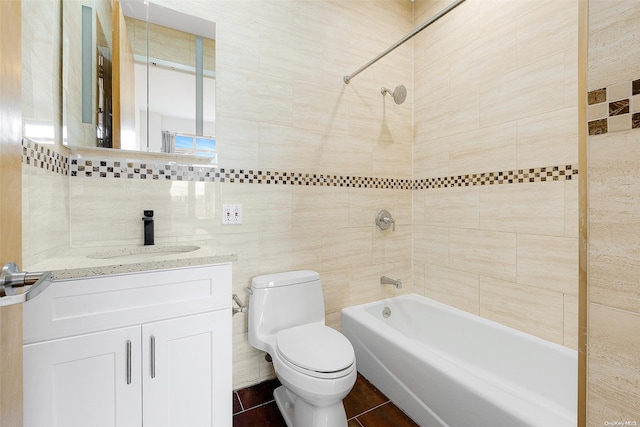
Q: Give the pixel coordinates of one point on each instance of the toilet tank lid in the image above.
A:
(284, 279)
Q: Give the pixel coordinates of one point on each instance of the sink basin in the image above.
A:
(143, 252)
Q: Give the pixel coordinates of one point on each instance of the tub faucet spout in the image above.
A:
(384, 280)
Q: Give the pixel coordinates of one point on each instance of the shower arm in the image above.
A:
(453, 5)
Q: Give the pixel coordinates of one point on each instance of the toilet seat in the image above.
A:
(316, 350)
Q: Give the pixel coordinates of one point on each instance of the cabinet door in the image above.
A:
(87, 380)
(187, 371)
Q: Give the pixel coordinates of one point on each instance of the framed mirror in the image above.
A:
(138, 76)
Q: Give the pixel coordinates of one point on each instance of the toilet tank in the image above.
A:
(281, 301)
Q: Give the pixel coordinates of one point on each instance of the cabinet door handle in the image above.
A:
(153, 356)
(128, 362)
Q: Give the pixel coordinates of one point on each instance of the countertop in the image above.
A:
(81, 262)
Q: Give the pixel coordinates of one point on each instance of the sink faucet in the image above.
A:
(148, 228)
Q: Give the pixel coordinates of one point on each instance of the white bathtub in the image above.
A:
(446, 367)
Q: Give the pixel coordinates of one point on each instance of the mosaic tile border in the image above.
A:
(42, 156)
(614, 108)
(518, 176)
(177, 172)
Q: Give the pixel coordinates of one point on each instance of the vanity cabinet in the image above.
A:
(150, 348)
(82, 381)
(181, 371)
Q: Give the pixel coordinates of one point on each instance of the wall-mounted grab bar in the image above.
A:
(11, 278)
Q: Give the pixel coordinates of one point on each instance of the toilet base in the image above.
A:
(298, 413)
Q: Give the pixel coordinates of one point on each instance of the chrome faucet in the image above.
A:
(384, 280)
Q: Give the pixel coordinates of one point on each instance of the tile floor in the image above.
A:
(365, 405)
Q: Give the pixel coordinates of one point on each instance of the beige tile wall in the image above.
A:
(41, 65)
(496, 90)
(45, 195)
(613, 373)
(282, 105)
(285, 227)
(45, 200)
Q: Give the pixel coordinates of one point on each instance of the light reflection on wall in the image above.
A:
(42, 132)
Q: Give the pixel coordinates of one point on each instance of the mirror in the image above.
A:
(138, 76)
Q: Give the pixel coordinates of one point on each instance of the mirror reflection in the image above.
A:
(149, 87)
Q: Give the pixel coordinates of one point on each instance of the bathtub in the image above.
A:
(446, 367)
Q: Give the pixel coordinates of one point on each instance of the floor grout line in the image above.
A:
(356, 418)
(358, 421)
(239, 401)
(254, 407)
(370, 409)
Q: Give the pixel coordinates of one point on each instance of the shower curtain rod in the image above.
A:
(415, 31)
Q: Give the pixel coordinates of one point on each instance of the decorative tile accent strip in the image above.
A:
(597, 96)
(598, 127)
(617, 108)
(178, 172)
(44, 157)
(553, 173)
(623, 101)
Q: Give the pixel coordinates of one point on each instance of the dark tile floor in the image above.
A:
(365, 406)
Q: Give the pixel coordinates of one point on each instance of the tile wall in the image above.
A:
(613, 373)
(614, 108)
(45, 189)
(45, 202)
(496, 97)
(490, 123)
(324, 157)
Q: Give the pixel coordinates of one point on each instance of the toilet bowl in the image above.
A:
(315, 363)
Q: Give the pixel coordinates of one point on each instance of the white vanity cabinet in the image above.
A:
(81, 381)
(151, 348)
(182, 372)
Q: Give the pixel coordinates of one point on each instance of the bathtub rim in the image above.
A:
(396, 338)
(465, 314)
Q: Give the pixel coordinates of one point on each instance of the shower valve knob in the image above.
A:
(384, 219)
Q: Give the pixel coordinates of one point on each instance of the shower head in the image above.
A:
(399, 94)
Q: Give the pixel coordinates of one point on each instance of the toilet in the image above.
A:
(315, 363)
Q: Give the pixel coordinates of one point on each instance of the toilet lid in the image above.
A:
(315, 347)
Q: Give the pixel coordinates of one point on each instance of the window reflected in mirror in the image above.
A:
(172, 68)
